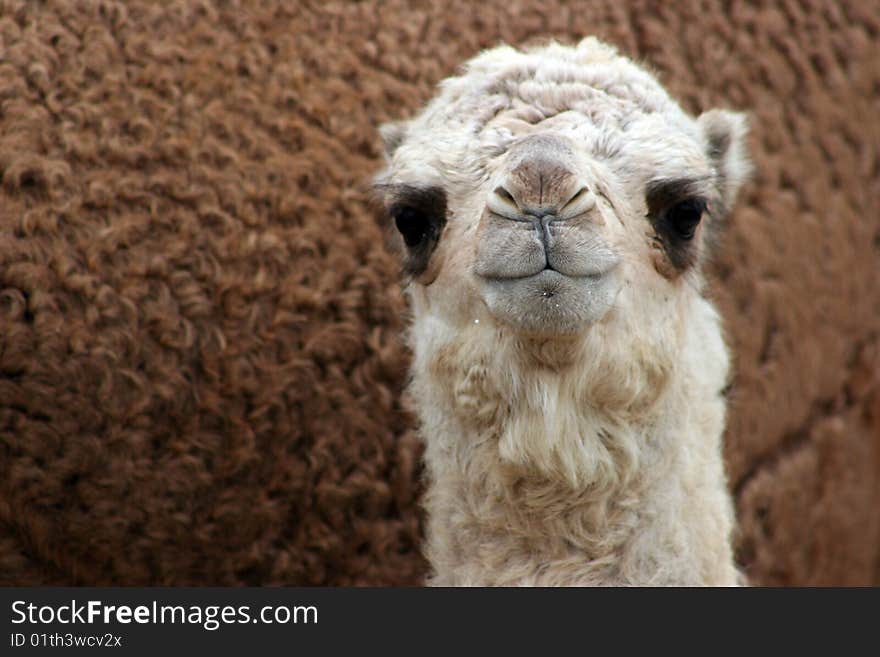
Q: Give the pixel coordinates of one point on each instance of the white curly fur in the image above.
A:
(585, 456)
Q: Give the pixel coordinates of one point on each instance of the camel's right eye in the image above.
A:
(413, 224)
(419, 215)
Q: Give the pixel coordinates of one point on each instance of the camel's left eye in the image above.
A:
(684, 217)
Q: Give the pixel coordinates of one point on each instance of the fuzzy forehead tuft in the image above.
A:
(590, 78)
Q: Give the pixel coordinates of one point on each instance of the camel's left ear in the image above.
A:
(724, 133)
(393, 135)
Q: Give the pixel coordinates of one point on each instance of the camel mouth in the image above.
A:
(518, 250)
(551, 302)
(551, 273)
(546, 276)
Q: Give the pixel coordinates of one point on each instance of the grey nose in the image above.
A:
(537, 186)
(543, 179)
(521, 207)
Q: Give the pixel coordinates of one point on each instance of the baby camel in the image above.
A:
(553, 210)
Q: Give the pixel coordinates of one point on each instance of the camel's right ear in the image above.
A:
(393, 135)
(725, 135)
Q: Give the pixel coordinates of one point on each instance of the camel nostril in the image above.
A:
(580, 202)
(502, 203)
(506, 196)
(578, 194)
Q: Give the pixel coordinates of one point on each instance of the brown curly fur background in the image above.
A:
(200, 362)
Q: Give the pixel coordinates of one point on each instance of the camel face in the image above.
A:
(568, 221)
(543, 190)
(581, 203)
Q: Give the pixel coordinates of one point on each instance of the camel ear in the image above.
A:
(725, 135)
(393, 135)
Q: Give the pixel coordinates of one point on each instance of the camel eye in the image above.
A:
(413, 224)
(684, 217)
(419, 215)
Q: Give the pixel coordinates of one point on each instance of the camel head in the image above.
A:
(543, 192)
